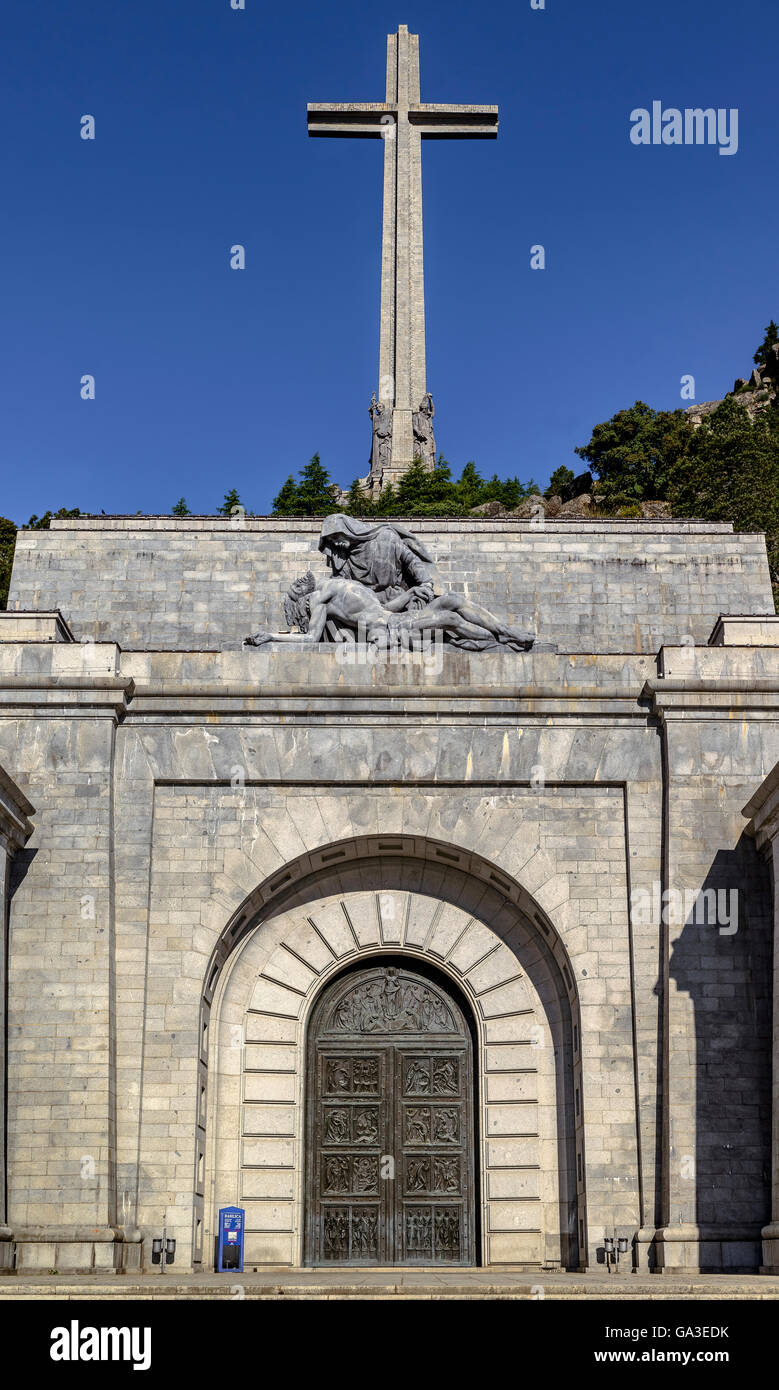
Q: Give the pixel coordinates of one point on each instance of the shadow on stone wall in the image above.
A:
(728, 975)
(21, 864)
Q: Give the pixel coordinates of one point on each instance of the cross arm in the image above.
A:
(348, 118)
(444, 122)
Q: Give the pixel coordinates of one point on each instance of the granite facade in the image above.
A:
(208, 820)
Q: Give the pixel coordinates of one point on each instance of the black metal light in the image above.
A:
(163, 1250)
(614, 1246)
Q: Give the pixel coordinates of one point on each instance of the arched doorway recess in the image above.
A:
(390, 1125)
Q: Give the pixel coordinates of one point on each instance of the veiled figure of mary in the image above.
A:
(384, 557)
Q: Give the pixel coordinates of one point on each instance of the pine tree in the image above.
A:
(511, 493)
(181, 508)
(421, 492)
(387, 504)
(7, 546)
(287, 501)
(771, 337)
(730, 472)
(357, 504)
(315, 490)
(412, 490)
(492, 490)
(469, 486)
(441, 491)
(560, 481)
(231, 504)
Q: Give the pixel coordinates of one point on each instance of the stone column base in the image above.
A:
(71, 1250)
(695, 1249)
(645, 1251)
(770, 1235)
(6, 1249)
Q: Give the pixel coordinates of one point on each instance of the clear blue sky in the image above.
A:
(115, 253)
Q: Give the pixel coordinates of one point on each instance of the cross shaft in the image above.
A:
(402, 120)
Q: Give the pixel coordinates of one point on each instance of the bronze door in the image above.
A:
(390, 1133)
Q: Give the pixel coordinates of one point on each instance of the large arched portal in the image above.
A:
(501, 970)
(390, 1116)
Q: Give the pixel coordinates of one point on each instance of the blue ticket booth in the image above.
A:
(230, 1240)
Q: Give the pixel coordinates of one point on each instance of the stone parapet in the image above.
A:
(197, 583)
(62, 1250)
(735, 631)
(33, 627)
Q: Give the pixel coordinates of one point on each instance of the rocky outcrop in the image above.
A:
(754, 394)
(586, 505)
(488, 509)
(550, 506)
(577, 506)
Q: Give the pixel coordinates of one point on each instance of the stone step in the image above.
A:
(410, 1286)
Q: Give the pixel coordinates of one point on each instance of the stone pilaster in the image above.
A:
(713, 910)
(59, 706)
(764, 825)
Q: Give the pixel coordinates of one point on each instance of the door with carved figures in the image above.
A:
(390, 1124)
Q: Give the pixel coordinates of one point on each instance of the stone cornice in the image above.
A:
(422, 525)
(66, 695)
(713, 699)
(462, 702)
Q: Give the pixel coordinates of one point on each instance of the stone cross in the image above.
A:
(402, 121)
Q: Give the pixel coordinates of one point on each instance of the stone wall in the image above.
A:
(200, 583)
(190, 803)
(763, 810)
(229, 837)
(15, 831)
(61, 1103)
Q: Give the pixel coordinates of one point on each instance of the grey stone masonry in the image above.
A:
(60, 1026)
(15, 831)
(220, 831)
(15, 811)
(763, 810)
(33, 627)
(198, 583)
(736, 631)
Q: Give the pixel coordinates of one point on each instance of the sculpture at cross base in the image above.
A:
(381, 450)
(384, 590)
(424, 439)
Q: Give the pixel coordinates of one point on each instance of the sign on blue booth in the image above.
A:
(230, 1245)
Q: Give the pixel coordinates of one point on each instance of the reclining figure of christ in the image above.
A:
(348, 604)
(384, 589)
